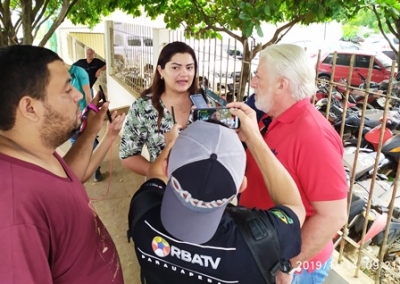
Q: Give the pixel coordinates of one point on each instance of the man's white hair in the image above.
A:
(291, 62)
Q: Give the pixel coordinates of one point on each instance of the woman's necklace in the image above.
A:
(182, 109)
(179, 106)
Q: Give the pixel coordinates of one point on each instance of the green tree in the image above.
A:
(349, 31)
(388, 12)
(381, 16)
(240, 19)
(26, 16)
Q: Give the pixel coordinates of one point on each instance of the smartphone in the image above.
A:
(103, 98)
(214, 97)
(221, 114)
(198, 101)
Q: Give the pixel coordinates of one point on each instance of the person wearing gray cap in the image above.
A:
(189, 236)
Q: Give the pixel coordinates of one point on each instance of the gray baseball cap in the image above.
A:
(205, 170)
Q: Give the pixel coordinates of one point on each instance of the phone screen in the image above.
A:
(103, 98)
(221, 114)
(198, 101)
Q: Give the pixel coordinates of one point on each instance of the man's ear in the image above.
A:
(283, 85)
(28, 108)
(243, 186)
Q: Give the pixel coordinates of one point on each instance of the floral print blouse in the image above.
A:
(141, 128)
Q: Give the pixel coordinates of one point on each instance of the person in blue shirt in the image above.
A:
(80, 80)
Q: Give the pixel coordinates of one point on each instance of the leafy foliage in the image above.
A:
(242, 18)
(380, 15)
(349, 31)
(27, 16)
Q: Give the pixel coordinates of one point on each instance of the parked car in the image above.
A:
(355, 39)
(378, 42)
(313, 47)
(224, 75)
(381, 66)
(390, 53)
(344, 45)
(136, 51)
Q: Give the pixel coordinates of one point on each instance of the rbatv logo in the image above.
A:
(160, 246)
(163, 249)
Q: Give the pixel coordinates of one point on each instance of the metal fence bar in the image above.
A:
(376, 262)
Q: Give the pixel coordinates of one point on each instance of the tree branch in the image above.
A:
(381, 27)
(210, 25)
(1, 9)
(390, 27)
(219, 29)
(38, 5)
(17, 25)
(72, 4)
(42, 11)
(37, 27)
(65, 9)
(276, 37)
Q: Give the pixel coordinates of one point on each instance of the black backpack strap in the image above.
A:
(140, 204)
(261, 239)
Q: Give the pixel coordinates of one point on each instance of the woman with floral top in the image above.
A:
(150, 116)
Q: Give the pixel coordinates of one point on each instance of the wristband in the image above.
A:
(92, 107)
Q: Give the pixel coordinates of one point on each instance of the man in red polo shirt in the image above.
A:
(309, 148)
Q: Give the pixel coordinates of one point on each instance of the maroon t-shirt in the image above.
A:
(49, 232)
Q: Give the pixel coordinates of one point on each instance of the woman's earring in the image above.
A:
(161, 77)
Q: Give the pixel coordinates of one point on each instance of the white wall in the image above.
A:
(118, 95)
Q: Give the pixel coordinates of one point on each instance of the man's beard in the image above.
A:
(56, 128)
(264, 102)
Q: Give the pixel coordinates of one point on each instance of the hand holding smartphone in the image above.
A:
(103, 98)
(221, 114)
(198, 101)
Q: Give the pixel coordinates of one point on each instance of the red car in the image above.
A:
(381, 66)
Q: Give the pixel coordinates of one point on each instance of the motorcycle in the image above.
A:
(372, 129)
(352, 120)
(358, 96)
(377, 216)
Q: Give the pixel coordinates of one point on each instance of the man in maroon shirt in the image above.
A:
(49, 232)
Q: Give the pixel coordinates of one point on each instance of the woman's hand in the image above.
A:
(170, 136)
(115, 126)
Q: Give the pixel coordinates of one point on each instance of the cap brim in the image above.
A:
(185, 224)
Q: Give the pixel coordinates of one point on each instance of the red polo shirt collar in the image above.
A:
(288, 115)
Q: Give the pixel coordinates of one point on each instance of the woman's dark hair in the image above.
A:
(158, 86)
(23, 72)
